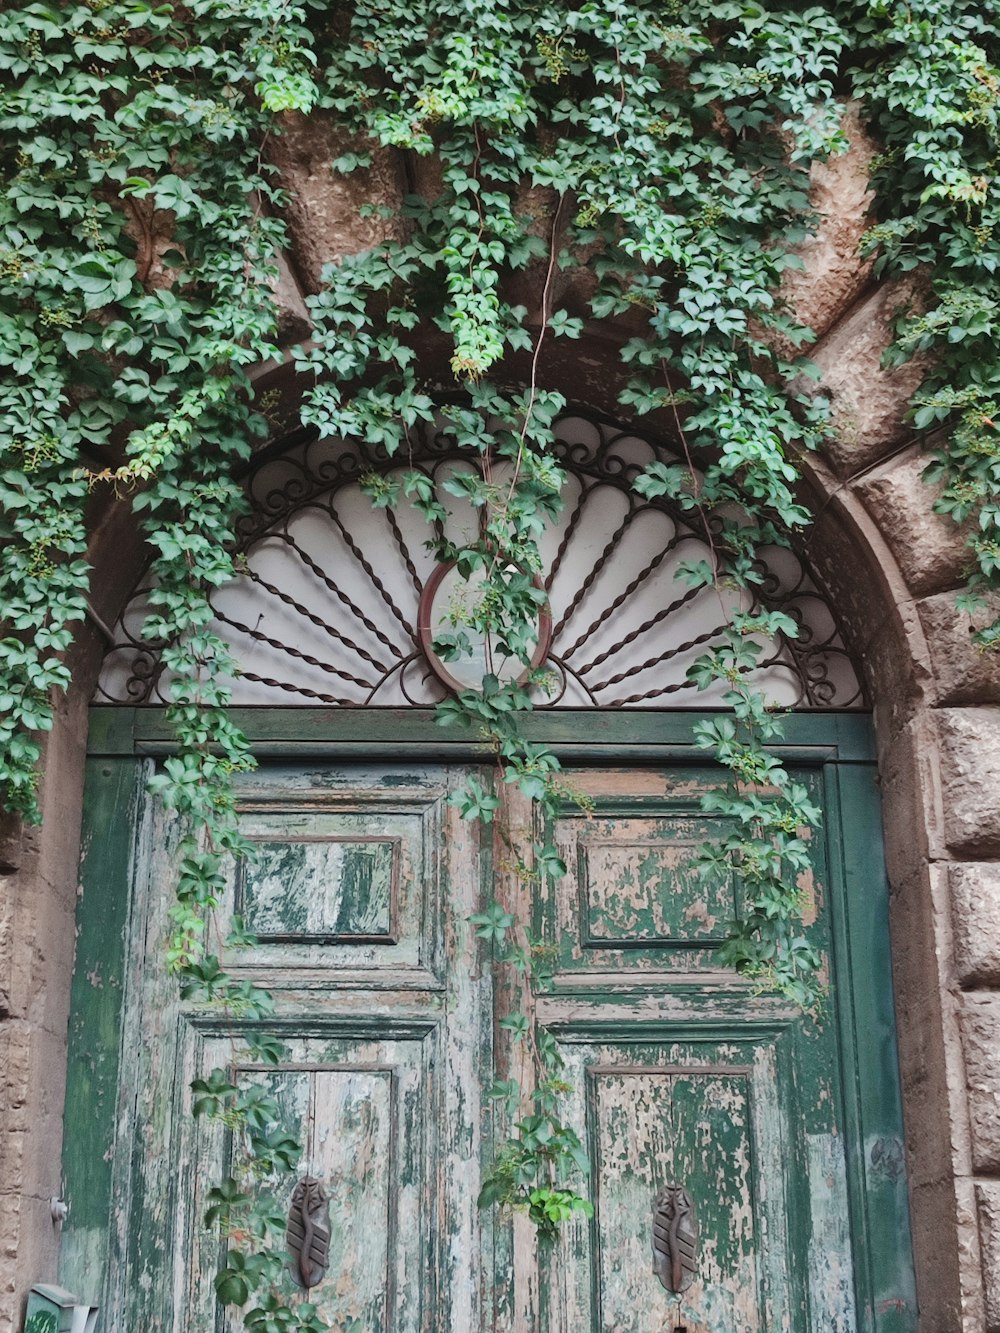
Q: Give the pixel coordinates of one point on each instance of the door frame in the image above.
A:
(125, 741)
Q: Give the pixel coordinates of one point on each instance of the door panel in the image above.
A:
(345, 885)
(631, 902)
(682, 1075)
(678, 1073)
(366, 1111)
(651, 1124)
(386, 1053)
(713, 1117)
(337, 888)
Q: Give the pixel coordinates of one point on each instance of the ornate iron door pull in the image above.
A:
(308, 1232)
(675, 1238)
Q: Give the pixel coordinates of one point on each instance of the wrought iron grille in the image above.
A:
(324, 610)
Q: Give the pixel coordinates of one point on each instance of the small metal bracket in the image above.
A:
(53, 1309)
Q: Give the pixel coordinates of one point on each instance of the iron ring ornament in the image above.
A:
(336, 602)
(448, 598)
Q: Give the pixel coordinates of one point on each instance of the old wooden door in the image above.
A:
(784, 1131)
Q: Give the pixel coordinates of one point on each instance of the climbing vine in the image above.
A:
(660, 147)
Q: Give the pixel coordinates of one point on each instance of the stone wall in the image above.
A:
(37, 938)
(893, 568)
(938, 729)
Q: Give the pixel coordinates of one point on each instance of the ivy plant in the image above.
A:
(660, 146)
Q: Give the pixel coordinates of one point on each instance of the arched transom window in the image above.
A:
(337, 601)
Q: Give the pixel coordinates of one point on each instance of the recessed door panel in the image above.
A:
(632, 901)
(652, 1128)
(710, 1120)
(367, 1112)
(343, 885)
(325, 889)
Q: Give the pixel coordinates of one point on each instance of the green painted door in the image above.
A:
(784, 1131)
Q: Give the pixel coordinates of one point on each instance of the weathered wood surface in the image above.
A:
(678, 1073)
(325, 888)
(385, 1012)
(390, 734)
(632, 901)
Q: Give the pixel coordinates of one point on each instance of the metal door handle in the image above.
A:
(308, 1232)
(675, 1238)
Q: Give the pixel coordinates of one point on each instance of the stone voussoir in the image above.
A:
(11, 844)
(323, 208)
(929, 548)
(868, 402)
(833, 273)
(293, 315)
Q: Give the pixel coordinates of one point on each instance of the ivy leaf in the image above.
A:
(102, 280)
(493, 923)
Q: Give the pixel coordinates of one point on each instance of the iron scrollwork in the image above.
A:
(325, 609)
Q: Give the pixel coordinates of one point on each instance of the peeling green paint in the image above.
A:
(361, 896)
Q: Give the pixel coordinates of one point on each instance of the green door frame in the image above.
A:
(125, 742)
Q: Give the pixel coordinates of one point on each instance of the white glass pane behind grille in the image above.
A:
(326, 608)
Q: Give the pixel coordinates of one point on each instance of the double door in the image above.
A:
(783, 1130)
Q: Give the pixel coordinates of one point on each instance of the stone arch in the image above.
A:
(893, 568)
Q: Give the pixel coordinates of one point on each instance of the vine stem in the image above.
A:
(535, 357)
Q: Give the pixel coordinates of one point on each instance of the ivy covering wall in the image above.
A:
(663, 147)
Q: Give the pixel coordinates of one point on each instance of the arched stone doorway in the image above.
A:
(785, 1131)
(891, 568)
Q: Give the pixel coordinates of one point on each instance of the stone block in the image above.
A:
(969, 1263)
(926, 1030)
(975, 913)
(10, 1215)
(907, 813)
(929, 548)
(322, 210)
(833, 273)
(159, 256)
(10, 844)
(980, 1023)
(969, 746)
(29, 1249)
(61, 798)
(963, 673)
(24, 975)
(15, 1075)
(293, 316)
(874, 612)
(936, 1259)
(868, 402)
(988, 1208)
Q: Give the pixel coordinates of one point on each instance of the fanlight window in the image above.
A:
(327, 607)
